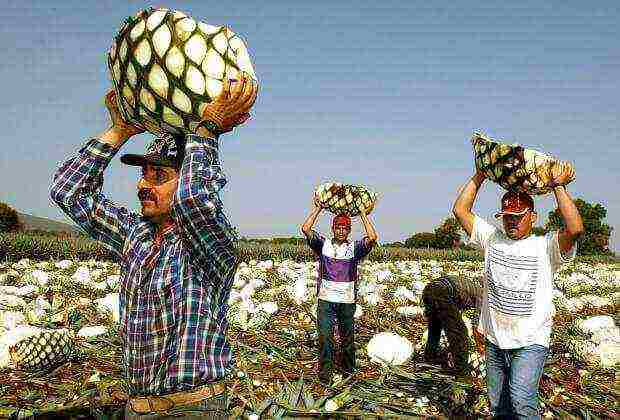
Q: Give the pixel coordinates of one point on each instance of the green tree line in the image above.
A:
(595, 240)
(448, 235)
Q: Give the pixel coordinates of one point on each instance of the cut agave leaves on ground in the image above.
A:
(273, 331)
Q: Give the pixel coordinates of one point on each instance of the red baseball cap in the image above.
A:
(341, 219)
(515, 203)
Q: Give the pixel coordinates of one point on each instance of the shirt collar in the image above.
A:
(165, 231)
(346, 242)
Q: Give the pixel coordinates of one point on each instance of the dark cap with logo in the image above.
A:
(162, 151)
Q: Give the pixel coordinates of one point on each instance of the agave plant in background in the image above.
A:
(513, 166)
(272, 315)
(166, 66)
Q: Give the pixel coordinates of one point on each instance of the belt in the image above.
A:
(157, 403)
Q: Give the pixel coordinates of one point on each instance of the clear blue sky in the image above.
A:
(387, 96)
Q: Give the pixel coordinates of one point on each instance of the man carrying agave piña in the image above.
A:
(517, 310)
(336, 287)
(177, 259)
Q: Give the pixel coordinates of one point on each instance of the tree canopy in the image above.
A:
(595, 240)
(447, 235)
(9, 219)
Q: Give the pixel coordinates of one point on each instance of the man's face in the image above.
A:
(156, 189)
(519, 226)
(341, 232)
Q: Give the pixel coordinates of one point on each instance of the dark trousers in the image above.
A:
(442, 313)
(330, 314)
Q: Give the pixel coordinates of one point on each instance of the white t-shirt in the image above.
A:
(517, 309)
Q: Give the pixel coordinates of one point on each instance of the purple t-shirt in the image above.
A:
(338, 267)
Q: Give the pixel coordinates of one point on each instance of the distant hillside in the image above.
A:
(41, 223)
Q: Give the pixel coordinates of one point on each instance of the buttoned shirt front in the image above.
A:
(175, 281)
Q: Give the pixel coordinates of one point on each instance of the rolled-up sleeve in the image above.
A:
(315, 241)
(556, 256)
(363, 248)
(198, 209)
(481, 232)
(76, 189)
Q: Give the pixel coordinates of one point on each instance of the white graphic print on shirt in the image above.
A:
(517, 309)
(512, 282)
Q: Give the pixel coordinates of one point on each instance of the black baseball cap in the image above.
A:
(162, 151)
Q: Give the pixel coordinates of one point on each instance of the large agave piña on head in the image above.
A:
(513, 166)
(345, 199)
(166, 66)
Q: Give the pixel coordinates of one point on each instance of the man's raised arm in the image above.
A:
(465, 201)
(77, 183)
(369, 227)
(197, 206)
(308, 224)
(560, 174)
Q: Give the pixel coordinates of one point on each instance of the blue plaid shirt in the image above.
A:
(175, 282)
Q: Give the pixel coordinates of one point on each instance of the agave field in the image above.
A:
(19, 245)
(272, 328)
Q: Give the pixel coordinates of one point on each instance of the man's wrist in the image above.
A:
(114, 137)
(193, 139)
(204, 132)
(478, 178)
(99, 149)
(208, 128)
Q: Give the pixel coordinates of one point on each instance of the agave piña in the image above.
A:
(345, 199)
(166, 66)
(513, 166)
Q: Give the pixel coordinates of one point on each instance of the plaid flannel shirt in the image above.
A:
(175, 283)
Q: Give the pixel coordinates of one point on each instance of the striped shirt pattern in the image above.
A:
(338, 265)
(517, 308)
(175, 282)
(512, 282)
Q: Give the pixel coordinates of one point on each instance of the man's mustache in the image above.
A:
(145, 194)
